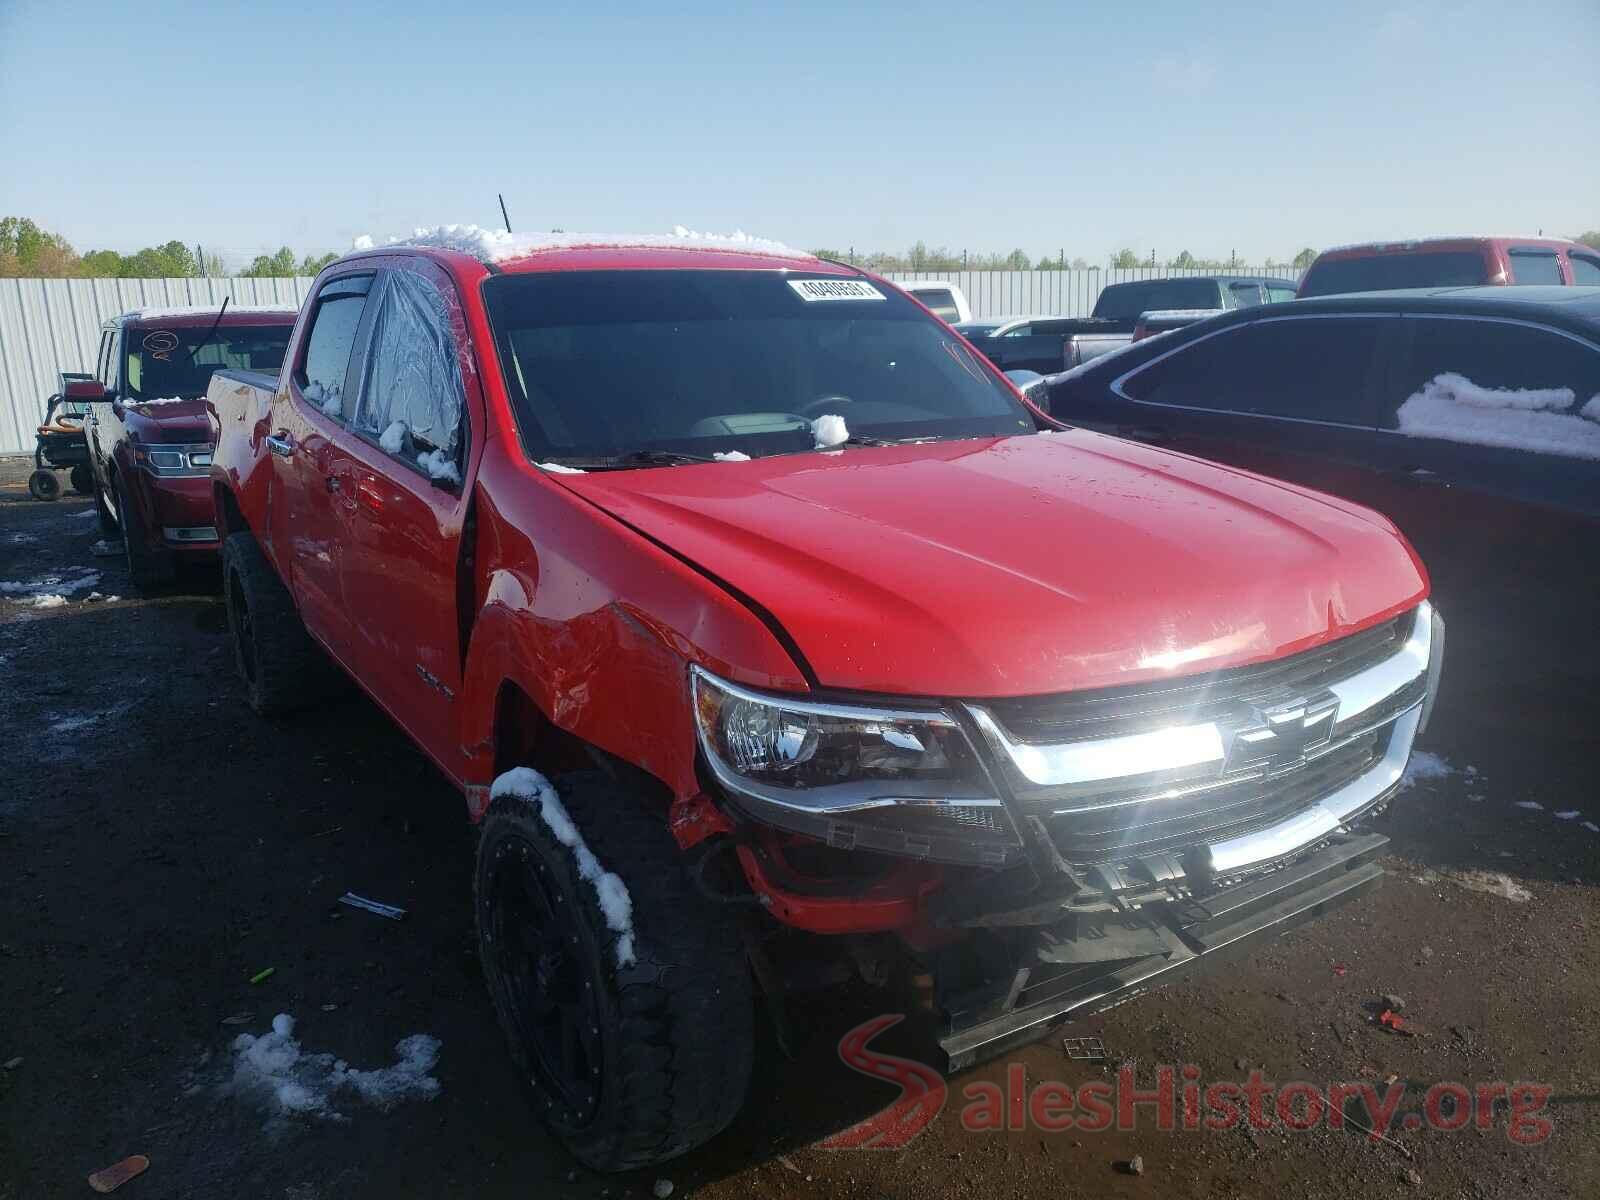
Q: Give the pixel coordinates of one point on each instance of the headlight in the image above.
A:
(899, 781)
(166, 460)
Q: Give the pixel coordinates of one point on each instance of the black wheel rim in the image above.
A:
(244, 632)
(538, 962)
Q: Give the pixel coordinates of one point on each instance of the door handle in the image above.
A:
(280, 444)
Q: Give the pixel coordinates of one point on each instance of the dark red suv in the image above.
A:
(1450, 262)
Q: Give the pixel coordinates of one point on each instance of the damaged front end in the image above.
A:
(1096, 843)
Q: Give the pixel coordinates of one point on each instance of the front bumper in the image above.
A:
(183, 516)
(1029, 988)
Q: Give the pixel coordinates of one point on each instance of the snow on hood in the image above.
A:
(1023, 565)
(497, 245)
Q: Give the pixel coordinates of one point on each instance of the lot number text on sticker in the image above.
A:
(834, 289)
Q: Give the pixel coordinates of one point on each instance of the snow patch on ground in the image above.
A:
(730, 456)
(50, 591)
(106, 549)
(497, 245)
(527, 784)
(1530, 804)
(556, 468)
(22, 539)
(273, 1072)
(1571, 814)
(829, 430)
(438, 465)
(1425, 765)
(1591, 827)
(393, 438)
(1492, 882)
(1453, 408)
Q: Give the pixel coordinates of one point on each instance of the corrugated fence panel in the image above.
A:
(1070, 293)
(53, 325)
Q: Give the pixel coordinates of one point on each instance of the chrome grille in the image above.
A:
(1204, 762)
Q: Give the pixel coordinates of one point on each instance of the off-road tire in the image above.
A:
(82, 479)
(281, 667)
(676, 1027)
(151, 570)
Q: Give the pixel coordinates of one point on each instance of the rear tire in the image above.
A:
(151, 569)
(281, 667)
(661, 1047)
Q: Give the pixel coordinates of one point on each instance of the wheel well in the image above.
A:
(228, 512)
(524, 736)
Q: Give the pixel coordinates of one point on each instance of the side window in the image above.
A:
(1496, 383)
(113, 361)
(1585, 270)
(1244, 294)
(325, 361)
(1313, 369)
(1023, 330)
(1277, 293)
(1535, 266)
(412, 401)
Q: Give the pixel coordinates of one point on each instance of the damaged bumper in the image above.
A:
(1034, 981)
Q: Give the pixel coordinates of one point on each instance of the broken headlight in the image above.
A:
(899, 781)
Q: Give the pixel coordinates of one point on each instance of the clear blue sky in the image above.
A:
(1168, 125)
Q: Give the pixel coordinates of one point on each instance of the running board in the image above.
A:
(1200, 929)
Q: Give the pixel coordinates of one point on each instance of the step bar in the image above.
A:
(1214, 925)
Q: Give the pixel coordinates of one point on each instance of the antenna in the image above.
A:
(503, 216)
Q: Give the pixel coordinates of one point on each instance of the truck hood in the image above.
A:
(170, 421)
(1022, 565)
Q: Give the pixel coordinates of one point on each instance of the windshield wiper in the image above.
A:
(634, 458)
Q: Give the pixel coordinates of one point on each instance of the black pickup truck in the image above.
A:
(1051, 344)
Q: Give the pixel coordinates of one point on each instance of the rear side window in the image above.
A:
(1535, 266)
(1245, 294)
(1279, 292)
(1386, 272)
(1585, 270)
(411, 396)
(325, 362)
(1312, 369)
(1497, 383)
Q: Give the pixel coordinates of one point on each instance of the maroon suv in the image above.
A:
(150, 430)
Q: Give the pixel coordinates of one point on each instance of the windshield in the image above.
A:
(1125, 301)
(159, 362)
(1386, 272)
(604, 364)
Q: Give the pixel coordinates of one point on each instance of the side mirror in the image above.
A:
(86, 391)
(1032, 385)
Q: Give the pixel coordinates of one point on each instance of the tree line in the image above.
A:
(29, 252)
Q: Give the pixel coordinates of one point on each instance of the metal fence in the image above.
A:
(1070, 293)
(52, 325)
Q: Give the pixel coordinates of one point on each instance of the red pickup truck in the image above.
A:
(762, 623)
(149, 428)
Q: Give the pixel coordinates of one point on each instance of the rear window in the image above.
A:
(1535, 266)
(1125, 301)
(940, 301)
(1387, 272)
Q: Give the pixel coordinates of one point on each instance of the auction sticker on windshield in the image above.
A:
(835, 289)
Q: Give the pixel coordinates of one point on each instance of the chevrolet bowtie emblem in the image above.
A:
(1280, 736)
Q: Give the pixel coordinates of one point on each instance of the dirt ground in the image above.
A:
(160, 846)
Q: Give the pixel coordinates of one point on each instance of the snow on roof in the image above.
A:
(154, 313)
(1407, 243)
(497, 245)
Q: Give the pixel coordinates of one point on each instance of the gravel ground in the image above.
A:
(160, 847)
